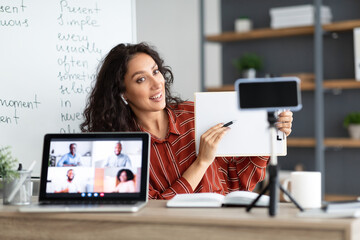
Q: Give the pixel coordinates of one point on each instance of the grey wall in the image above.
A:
(295, 54)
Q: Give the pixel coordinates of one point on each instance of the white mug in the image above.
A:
(305, 188)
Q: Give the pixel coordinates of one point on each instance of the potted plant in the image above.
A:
(248, 64)
(8, 165)
(352, 123)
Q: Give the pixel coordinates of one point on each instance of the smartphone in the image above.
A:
(271, 94)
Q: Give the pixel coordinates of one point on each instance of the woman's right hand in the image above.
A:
(207, 149)
(209, 142)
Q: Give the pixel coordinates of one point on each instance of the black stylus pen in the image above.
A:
(229, 123)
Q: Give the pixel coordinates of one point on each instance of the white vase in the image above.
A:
(354, 131)
(249, 73)
(243, 25)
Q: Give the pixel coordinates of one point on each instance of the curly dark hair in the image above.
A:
(105, 111)
(129, 174)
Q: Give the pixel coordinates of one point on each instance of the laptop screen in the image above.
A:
(95, 166)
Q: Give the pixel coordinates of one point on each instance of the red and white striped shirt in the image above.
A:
(170, 157)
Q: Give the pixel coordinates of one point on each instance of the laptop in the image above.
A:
(93, 172)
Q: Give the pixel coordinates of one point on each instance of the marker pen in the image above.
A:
(229, 123)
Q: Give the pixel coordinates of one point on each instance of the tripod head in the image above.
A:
(271, 118)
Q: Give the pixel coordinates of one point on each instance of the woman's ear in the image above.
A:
(124, 100)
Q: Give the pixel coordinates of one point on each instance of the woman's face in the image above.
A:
(145, 85)
(123, 177)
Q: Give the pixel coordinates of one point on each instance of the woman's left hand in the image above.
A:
(284, 122)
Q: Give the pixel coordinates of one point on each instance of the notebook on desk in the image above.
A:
(93, 172)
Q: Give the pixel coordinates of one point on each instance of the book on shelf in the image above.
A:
(296, 21)
(296, 16)
(298, 10)
(237, 198)
(357, 53)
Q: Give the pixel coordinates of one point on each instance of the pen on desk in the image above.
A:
(229, 123)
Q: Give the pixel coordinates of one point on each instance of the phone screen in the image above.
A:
(271, 94)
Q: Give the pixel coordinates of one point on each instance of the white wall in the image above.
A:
(213, 69)
(173, 27)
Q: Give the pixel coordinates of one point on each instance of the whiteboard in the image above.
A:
(248, 136)
(49, 52)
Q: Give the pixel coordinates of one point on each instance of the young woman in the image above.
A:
(125, 181)
(132, 93)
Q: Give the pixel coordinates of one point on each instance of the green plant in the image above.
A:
(7, 164)
(352, 118)
(247, 61)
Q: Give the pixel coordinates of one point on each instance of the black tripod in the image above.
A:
(273, 175)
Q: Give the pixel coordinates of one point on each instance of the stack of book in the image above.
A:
(333, 207)
(297, 16)
(345, 209)
(357, 53)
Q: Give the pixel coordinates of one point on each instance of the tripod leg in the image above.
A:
(274, 193)
(291, 198)
(256, 199)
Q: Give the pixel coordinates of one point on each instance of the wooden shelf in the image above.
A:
(306, 86)
(333, 84)
(328, 142)
(283, 32)
(300, 142)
